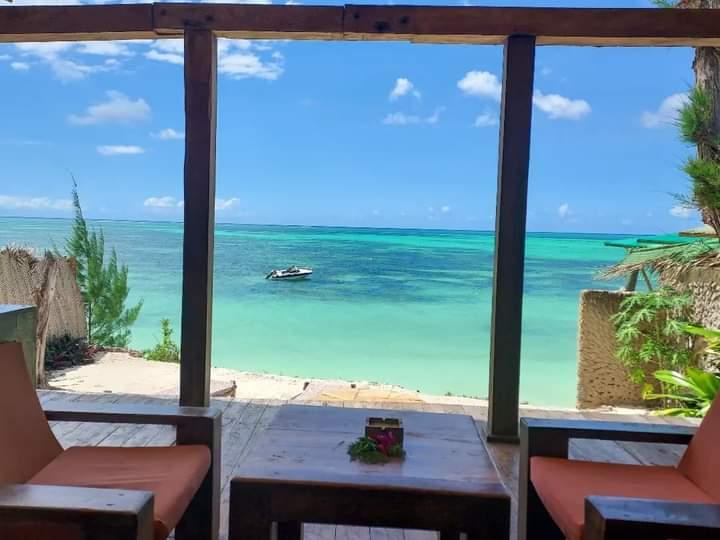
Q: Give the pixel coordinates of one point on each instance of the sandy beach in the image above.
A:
(120, 372)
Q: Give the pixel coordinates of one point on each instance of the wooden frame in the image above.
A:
(551, 438)
(510, 218)
(518, 27)
(120, 514)
(614, 518)
(611, 27)
(98, 514)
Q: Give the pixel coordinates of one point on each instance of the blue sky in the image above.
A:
(356, 134)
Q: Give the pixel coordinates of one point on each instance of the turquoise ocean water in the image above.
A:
(410, 307)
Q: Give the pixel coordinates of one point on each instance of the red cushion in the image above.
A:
(564, 484)
(172, 474)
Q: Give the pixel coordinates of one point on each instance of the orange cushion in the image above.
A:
(172, 474)
(701, 462)
(564, 484)
(26, 442)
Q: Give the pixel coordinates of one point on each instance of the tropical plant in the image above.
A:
(167, 350)
(104, 287)
(649, 331)
(710, 335)
(66, 351)
(690, 394)
(697, 126)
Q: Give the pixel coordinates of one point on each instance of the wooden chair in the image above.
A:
(93, 493)
(578, 500)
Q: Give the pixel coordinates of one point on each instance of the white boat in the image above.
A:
(291, 273)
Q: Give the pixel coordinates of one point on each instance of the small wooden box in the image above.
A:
(376, 425)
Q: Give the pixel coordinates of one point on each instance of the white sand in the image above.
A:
(119, 372)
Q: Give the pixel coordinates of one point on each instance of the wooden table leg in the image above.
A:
(289, 530)
(249, 514)
(449, 534)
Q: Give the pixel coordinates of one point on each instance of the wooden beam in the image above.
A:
(76, 23)
(511, 213)
(199, 211)
(552, 26)
(422, 24)
(253, 21)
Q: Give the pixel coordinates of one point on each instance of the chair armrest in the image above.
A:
(128, 414)
(99, 514)
(538, 435)
(608, 518)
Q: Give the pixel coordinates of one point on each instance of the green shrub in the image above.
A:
(66, 351)
(690, 394)
(649, 328)
(167, 350)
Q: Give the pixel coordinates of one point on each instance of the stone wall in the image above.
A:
(602, 379)
(21, 273)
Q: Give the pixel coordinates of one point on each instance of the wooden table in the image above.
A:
(298, 472)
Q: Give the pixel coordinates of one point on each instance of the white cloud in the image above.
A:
(168, 134)
(402, 88)
(20, 66)
(162, 202)
(120, 150)
(445, 209)
(403, 119)
(234, 57)
(167, 50)
(434, 118)
(104, 48)
(681, 211)
(486, 119)
(34, 203)
(667, 113)
(557, 106)
(545, 71)
(226, 204)
(563, 210)
(118, 109)
(244, 65)
(400, 119)
(481, 84)
(5, 57)
(64, 69)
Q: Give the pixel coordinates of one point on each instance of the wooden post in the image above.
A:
(511, 214)
(199, 211)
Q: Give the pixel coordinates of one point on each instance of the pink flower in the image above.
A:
(384, 441)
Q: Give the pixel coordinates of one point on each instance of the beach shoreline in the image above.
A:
(124, 372)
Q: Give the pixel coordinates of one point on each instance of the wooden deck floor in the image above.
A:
(242, 420)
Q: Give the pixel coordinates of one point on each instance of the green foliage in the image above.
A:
(710, 335)
(649, 328)
(167, 350)
(696, 118)
(367, 450)
(103, 286)
(690, 394)
(697, 126)
(66, 351)
(664, 3)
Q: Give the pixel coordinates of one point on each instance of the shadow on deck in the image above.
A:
(242, 420)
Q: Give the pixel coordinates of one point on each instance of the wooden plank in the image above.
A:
(511, 215)
(553, 26)
(253, 21)
(91, 513)
(76, 23)
(199, 212)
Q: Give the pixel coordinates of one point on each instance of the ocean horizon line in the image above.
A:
(354, 227)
